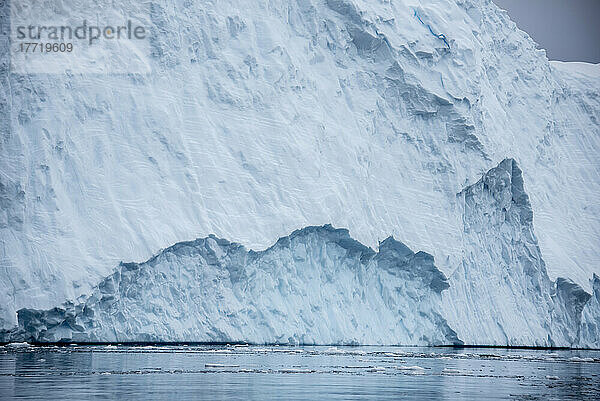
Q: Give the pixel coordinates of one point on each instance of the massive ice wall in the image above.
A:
(260, 117)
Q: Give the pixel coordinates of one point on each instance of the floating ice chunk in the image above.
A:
(295, 370)
(220, 365)
(579, 359)
(414, 367)
(18, 345)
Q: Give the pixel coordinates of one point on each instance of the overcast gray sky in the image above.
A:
(569, 30)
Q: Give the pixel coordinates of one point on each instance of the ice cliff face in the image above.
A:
(501, 293)
(590, 327)
(260, 117)
(316, 286)
(320, 286)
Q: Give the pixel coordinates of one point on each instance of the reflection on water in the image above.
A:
(253, 372)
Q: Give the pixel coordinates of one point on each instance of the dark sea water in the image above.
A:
(298, 373)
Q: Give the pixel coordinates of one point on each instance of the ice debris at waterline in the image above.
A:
(320, 286)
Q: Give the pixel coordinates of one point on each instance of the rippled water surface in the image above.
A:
(254, 372)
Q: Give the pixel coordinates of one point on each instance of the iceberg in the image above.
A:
(255, 119)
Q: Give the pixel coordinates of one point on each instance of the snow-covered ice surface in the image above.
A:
(578, 70)
(262, 117)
